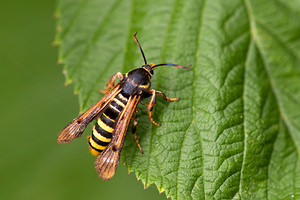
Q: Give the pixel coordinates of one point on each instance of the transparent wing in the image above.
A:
(78, 125)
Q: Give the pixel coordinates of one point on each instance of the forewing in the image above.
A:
(78, 125)
(107, 162)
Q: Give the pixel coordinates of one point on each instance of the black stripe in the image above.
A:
(117, 106)
(99, 141)
(111, 113)
(102, 132)
(123, 101)
(94, 147)
(125, 94)
(107, 121)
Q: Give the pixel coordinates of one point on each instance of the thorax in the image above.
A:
(136, 82)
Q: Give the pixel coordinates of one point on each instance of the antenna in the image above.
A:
(174, 65)
(137, 42)
(154, 66)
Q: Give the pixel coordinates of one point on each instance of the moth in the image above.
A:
(113, 114)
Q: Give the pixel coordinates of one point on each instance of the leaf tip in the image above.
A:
(161, 190)
(58, 28)
(56, 15)
(67, 82)
(82, 110)
(55, 43)
(60, 61)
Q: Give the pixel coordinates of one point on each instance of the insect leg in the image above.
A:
(134, 125)
(111, 82)
(165, 97)
(151, 105)
(153, 101)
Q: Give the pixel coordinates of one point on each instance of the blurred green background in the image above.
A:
(35, 106)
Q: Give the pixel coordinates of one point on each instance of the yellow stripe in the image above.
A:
(119, 102)
(122, 97)
(95, 145)
(104, 126)
(94, 152)
(108, 117)
(146, 70)
(144, 86)
(114, 108)
(100, 137)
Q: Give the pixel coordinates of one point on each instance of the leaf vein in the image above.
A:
(179, 159)
(73, 18)
(199, 28)
(93, 37)
(101, 74)
(244, 113)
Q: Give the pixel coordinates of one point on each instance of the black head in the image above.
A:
(148, 69)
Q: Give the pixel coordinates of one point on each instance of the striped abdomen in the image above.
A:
(105, 124)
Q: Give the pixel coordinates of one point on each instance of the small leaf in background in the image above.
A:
(235, 133)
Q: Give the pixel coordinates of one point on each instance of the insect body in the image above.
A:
(113, 113)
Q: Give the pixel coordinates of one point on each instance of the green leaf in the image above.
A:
(235, 133)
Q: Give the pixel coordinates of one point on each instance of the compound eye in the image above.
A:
(151, 71)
